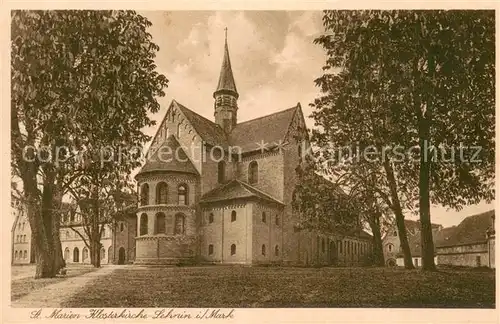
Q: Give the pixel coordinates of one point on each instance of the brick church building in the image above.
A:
(221, 191)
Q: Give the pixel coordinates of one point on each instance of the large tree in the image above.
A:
(425, 80)
(81, 80)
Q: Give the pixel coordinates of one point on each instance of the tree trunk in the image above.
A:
(95, 252)
(59, 261)
(378, 255)
(424, 203)
(398, 212)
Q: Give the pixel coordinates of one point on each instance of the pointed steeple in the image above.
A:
(226, 79)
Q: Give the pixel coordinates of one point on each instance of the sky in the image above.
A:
(274, 61)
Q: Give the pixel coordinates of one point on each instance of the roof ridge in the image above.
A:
(261, 117)
(258, 190)
(181, 106)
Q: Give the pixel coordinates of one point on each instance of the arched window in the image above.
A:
(180, 220)
(395, 233)
(24, 238)
(66, 254)
(210, 249)
(211, 218)
(144, 224)
(122, 227)
(161, 193)
(390, 247)
(233, 249)
(277, 219)
(103, 253)
(25, 254)
(85, 254)
(340, 246)
(263, 249)
(323, 245)
(16, 255)
(221, 171)
(160, 223)
(144, 194)
(264, 217)
(253, 172)
(182, 192)
(233, 216)
(76, 255)
(276, 250)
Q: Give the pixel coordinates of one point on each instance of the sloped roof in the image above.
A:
(236, 189)
(471, 230)
(209, 131)
(169, 162)
(226, 78)
(271, 129)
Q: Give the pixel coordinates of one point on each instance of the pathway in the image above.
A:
(55, 294)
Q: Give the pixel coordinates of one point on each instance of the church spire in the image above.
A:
(226, 79)
(226, 95)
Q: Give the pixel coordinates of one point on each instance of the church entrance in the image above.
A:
(121, 256)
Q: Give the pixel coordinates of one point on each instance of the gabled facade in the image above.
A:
(221, 191)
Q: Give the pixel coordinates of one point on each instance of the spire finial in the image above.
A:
(225, 34)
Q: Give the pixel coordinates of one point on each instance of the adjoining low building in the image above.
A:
(471, 243)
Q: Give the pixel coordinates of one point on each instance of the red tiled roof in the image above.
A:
(236, 189)
(169, 162)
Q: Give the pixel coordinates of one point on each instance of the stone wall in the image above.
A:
(470, 255)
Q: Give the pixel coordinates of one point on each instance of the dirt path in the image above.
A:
(53, 295)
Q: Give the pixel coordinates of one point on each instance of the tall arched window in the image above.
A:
(233, 216)
(211, 218)
(263, 249)
(340, 246)
(210, 249)
(160, 223)
(161, 193)
(144, 224)
(16, 255)
(233, 249)
(180, 221)
(264, 217)
(253, 172)
(221, 171)
(182, 192)
(276, 250)
(323, 245)
(389, 247)
(25, 254)
(76, 255)
(277, 220)
(144, 194)
(66, 254)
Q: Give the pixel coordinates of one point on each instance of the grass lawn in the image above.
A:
(23, 286)
(221, 286)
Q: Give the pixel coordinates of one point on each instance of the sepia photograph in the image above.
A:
(251, 159)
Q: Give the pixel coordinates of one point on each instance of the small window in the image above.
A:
(144, 224)
(264, 217)
(263, 249)
(478, 261)
(122, 227)
(323, 245)
(395, 233)
(144, 194)
(211, 218)
(180, 223)
(24, 238)
(233, 249)
(277, 219)
(276, 250)
(233, 216)
(25, 254)
(210, 249)
(182, 192)
(160, 223)
(253, 172)
(340, 246)
(416, 262)
(390, 247)
(161, 193)
(16, 255)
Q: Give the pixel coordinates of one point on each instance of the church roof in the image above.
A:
(236, 189)
(168, 160)
(209, 131)
(471, 230)
(270, 129)
(226, 78)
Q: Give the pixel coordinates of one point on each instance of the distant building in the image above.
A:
(471, 243)
(117, 239)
